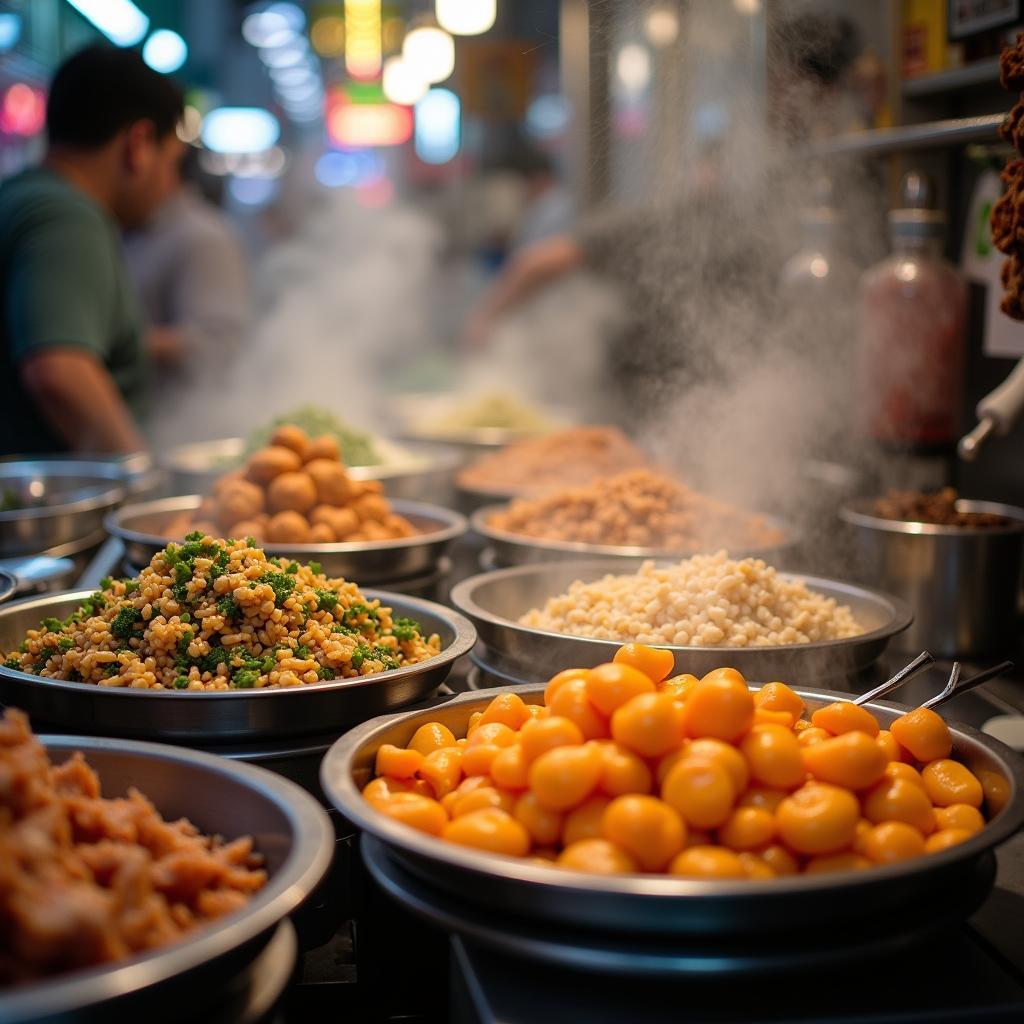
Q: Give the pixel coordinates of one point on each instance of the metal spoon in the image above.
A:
(905, 674)
(955, 687)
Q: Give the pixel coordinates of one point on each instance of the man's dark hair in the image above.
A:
(100, 90)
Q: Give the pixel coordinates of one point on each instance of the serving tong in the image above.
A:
(953, 688)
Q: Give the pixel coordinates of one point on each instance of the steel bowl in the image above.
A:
(221, 797)
(962, 582)
(141, 528)
(64, 501)
(512, 549)
(410, 471)
(633, 906)
(231, 715)
(494, 601)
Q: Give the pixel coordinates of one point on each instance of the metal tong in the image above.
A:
(953, 688)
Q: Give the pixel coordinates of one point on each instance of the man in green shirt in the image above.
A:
(72, 355)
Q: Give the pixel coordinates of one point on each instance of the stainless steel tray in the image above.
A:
(632, 905)
(232, 715)
(510, 549)
(414, 471)
(221, 797)
(494, 601)
(75, 496)
(140, 528)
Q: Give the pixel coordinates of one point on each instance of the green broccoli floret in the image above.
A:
(124, 622)
(281, 583)
(326, 600)
(245, 678)
(315, 568)
(302, 651)
(14, 663)
(228, 607)
(181, 683)
(130, 586)
(405, 630)
(293, 568)
(106, 583)
(325, 672)
(65, 643)
(360, 654)
(51, 624)
(385, 656)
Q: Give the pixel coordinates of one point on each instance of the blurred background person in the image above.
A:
(191, 271)
(73, 370)
(693, 258)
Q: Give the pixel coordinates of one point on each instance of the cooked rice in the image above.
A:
(220, 615)
(86, 880)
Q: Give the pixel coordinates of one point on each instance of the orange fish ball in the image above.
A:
(893, 841)
(779, 697)
(701, 791)
(430, 737)
(720, 706)
(853, 760)
(650, 724)
(707, 862)
(959, 816)
(843, 716)
(655, 662)
(818, 818)
(543, 824)
(949, 782)
(542, 734)
(610, 686)
(571, 701)
(566, 776)
(774, 757)
(945, 838)
(507, 708)
(622, 771)
(490, 829)
(418, 812)
(596, 857)
(747, 828)
(899, 800)
(585, 821)
(923, 733)
(650, 831)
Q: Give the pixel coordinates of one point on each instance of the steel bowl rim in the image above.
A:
(478, 522)
(461, 597)
(454, 525)
(435, 460)
(340, 789)
(111, 488)
(462, 642)
(312, 848)
(854, 514)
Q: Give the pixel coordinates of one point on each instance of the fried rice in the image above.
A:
(220, 615)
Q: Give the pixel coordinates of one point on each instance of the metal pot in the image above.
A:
(180, 981)
(226, 716)
(642, 908)
(962, 582)
(494, 601)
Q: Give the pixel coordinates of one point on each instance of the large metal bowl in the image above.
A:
(494, 601)
(510, 549)
(141, 528)
(411, 471)
(221, 797)
(63, 501)
(963, 582)
(635, 905)
(230, 715)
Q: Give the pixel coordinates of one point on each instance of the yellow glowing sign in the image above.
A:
(363, 43)
(327, 36)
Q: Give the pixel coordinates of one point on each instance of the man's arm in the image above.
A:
(527, 273)
(77, 397)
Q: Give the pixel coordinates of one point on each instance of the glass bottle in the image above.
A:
(913, 322)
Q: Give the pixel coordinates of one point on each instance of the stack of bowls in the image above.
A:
(53, 510)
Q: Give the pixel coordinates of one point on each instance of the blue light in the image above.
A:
(10, 30)
(253, 192)
(165, 51)
(119, 20)
(345, 169)
(438, 117)
(240, 130)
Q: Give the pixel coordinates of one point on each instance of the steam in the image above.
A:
(766, 378)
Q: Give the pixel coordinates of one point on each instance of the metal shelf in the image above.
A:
(982, 72)
(929, 135)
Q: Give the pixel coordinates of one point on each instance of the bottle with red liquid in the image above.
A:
(912, 329)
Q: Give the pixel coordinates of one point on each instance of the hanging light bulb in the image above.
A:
(430, 53)
(401, 84)
(466, 17)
